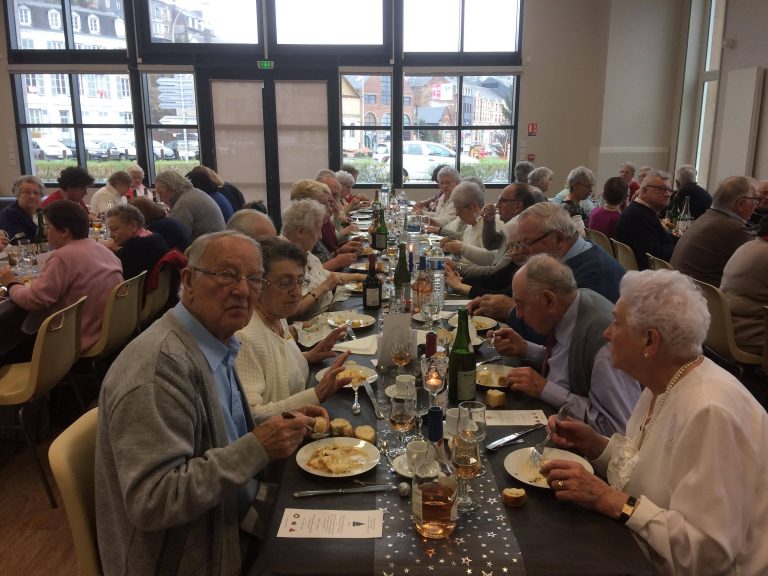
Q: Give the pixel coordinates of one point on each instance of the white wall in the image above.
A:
(745, 26)
(9, 158)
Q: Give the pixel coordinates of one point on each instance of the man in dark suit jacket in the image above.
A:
(639, 226)
(699, 199)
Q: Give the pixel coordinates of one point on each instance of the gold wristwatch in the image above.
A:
(627, 510)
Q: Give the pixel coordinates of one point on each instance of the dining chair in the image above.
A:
(57, 348)
(720, 338)
(600, 239)
(155, 300)
(655, 263)
(72, 455)
(121, 318)
(624, 255)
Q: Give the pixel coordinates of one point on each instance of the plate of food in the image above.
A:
(479, 322)
(519, 465)
(351, 370)
(492, 375)
(338, 457)
(363, 266)
(354, 319)
(368, 250)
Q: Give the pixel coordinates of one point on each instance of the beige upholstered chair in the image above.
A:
(57, 348)
(624, 255)
(720, 338)
(655, 263)
(72, 456)
(600, 239)
(155, 301)
(121, 317)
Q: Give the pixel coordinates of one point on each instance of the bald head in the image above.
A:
(252, 223)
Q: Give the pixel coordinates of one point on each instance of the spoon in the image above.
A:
(356, 404)
(384, 449)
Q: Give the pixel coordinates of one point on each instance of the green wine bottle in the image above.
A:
(41, 236)
(380, 239)
(402, 280)
(462, 371)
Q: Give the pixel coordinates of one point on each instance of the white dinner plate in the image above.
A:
(356, 320)
(400, 464)
(480, 323)
(495, 371)
(368, 250)
(419, 317)
(367, 372)
(357, 288)
(367, 459)
(518, 464)
(381, 267)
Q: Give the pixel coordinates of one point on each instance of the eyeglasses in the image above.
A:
(500, 200)
(228, 278)
(526, 245)
(753, 198)
(286, 284)
(662, 188)
(29, 193)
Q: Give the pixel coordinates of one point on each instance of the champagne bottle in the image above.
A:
(402, 280)
(461, 364)
(41, 236)
(422, 286)
(434, 485)
(372, 286)
(685, 218)
(380, 240)
(376, 204)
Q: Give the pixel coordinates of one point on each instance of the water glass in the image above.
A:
(430, 308)
(402, 414)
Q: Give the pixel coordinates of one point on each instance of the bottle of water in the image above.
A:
(384, 194)
(436, 269)
(402, 198)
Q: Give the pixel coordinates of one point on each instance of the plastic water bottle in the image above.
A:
(436, 269)
(402, 198)
(384, 194)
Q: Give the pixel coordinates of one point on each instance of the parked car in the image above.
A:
(111, 150)
(161, 151)
(49, 148)
(184, 149)
(420, 157)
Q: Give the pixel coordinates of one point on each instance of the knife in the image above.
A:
(350, 332)
(371, 488)
(507, 439)
(372, 396)
(487, 360)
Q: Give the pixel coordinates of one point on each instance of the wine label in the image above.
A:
(466, 385)
(372, 297)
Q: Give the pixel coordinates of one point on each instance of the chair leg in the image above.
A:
(40, 469)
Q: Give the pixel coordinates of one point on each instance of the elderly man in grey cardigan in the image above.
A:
(575, 366)
(177, 451)
(195, 209)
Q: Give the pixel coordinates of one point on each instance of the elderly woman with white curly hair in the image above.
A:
(302, 221)
(690, 477)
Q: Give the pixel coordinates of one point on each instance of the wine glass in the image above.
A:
(400, 353)
(421, 408)
(430, 308)
(25, 257)
(466, 458)
(402, 414)
(475, 412)
(434, 374)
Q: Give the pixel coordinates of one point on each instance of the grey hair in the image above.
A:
(302, 214)
(686, 174)
(653, 173)
(451, 172)
(477, 181)
(543, 272)
(325, 173)
(551, 217)
(135, 168)
(465, 193)
(127, 213)
(580, 175)
(120, 177)
(199, 246)
(28, 179)
(523, 170)
(671, 303)
(630, 165)
(345, 178)
(247, 222)
(731, 189)
(174, 181)
(539, 175)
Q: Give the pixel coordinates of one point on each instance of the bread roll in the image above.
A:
(513, 497)
(495, 398)
(367, 433)
(321, 425)
(341, 427)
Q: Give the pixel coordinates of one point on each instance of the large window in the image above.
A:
(330, 22)
(203, 22)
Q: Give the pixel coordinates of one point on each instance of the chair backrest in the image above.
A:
(720, 338)
(600, 239)
(155, 300)
(657, 263)
(72, 456)
(121, 317)
(624, 255)
(57, 348)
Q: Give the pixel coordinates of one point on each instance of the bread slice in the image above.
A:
(321, 425)
(495, 398)
(341, 427)
(367, 433)
(513, 497)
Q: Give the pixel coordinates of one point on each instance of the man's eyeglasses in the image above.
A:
(526, 245)
(753, 198)
(228, 278)
(500, 200)
(287, 284)
(662, 188)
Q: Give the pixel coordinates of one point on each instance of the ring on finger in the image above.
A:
(560, 484)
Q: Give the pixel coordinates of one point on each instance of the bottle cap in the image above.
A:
(434, 424)
(431, 344)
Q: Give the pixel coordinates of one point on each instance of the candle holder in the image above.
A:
(434, 375)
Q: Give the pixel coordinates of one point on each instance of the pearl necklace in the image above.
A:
(651, 418)
(269, 323)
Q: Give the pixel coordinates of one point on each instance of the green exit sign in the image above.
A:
(266, 64)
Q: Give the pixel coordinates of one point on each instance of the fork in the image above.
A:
(538, 450)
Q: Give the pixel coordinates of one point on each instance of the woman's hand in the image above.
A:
(344, 259)
(322, 349)
(3, 240)
(453, 280)
(329, 384)
(451, 245)
(576, 435)
(350, 247)
(571, 482)
(433, 229)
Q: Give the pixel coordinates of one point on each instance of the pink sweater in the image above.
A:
(80, 268)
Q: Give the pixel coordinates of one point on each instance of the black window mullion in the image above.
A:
(66, 16)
